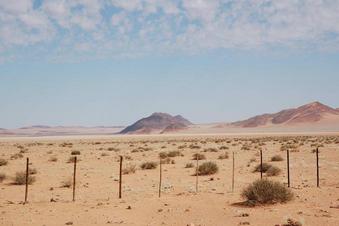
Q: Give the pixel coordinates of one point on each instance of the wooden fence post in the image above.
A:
(288, 167)
(27, 175)
(233, 174)
(197, 173)
(261, 164)
(160, 175)
(120, 177)
(74, 176)
(317, 153)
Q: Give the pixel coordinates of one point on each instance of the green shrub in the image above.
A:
(266, 192)
(207, 168)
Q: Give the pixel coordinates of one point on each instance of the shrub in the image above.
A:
(75, 153)
(207, 168)
(223, 156)
(189, 165)
(266, 192)
(210, 150)
(17, 156)
(148, 165)
(174, 154)
(129, 169)
(67, 183)
(273, 171)
(53, 159)
(291, 222)
(20, 178)
(277, 158)
(265, 167)
(72, 159)
(3, 162)
(2, 177)
(199, 156)
(223, 148)
(163, 155)
(32, 171)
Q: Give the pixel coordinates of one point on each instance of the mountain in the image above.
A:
(157, 122)
(309, 113)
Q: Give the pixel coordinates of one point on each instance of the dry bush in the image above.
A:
(76, 152)
(32, 171)
(148, 165)
(72, 159)
(17, 156)
(113, 149)
(163, 154)
(265, 167)
(3, 162)
(66, 183)
(104, 154)
(20, 178)
(210, 150)
(53, 159)
(174, 154)
(223, 148)
(189, 165)
(207, 168)
(273, 171)
(129, 169)
(277, 158)
(194, 146)
(291, 222)
(2, 177)
(167, 161)
(266, 192)
(223, 156)
(198, 156)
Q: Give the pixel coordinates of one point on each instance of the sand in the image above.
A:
(97, 200)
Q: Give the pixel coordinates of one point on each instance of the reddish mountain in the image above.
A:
(309, 113)
(157, 122)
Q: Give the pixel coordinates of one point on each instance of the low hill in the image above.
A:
(156, 123)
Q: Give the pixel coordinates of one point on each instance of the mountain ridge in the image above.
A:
(308, 113)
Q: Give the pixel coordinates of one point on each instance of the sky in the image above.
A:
(111, 62)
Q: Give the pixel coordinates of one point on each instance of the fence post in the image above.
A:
(233, 174)
(288, 167)
(260, 164)
(160, 175)
(120, 177)
(317, 153)
(74, 176)
(197, 173)
(27, 175)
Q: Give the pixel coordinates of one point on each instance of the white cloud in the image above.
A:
(127, 27)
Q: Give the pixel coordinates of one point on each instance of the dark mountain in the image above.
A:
(156, 122)
(308, 113)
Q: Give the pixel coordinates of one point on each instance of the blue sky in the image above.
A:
(110, 62)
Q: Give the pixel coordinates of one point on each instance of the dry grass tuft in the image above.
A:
(148, 165)
(20, 178)
(207, 168)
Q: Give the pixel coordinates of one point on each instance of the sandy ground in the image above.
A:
(97, 200)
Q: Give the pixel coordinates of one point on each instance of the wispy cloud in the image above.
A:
(112, 28)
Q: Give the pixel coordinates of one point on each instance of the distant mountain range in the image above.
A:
(310, 113)
(157, 123)
(314, 117)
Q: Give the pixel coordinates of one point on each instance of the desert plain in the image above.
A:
(97, 180)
